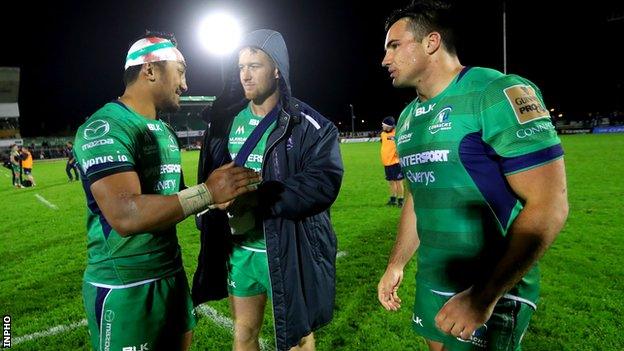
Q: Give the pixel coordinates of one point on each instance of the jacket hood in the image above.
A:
(232, 98)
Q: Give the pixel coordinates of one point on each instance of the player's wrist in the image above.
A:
(484, 296)
(395, 267)
(195, 199)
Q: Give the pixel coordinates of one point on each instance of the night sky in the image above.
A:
(71, 53)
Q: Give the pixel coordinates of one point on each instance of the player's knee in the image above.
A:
(307, 340)
(306, 343)
(435, 346)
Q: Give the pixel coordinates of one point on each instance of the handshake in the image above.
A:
(229, 181)
(222, 186)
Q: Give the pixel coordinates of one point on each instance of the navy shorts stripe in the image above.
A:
(99, 304)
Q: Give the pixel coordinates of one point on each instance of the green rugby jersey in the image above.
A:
(455, 150)
(117, 139)
(244, 123)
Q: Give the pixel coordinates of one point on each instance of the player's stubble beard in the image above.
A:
(258, 97)
(169, 103)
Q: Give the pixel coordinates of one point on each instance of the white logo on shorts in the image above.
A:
(109, 315)
(143, 347)
(417, 320)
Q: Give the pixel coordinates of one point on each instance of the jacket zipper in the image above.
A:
(266, 151)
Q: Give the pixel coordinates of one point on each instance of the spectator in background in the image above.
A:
(71, 161)
(16, 165)
(390, 160)
(27, 165)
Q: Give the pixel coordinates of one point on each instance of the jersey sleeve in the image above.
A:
(516, 124)
(104, 147)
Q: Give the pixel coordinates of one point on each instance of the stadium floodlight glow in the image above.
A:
(220, 33)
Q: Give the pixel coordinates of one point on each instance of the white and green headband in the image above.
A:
(152, 49)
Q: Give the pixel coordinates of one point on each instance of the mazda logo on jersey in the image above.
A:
(96, 129)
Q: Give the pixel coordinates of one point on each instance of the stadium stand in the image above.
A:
(187, 122)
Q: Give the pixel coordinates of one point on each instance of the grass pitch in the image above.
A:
(43, 254)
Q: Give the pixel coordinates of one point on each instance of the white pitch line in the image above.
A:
(216, 317)
(207, 311)
(46, 202)
(341, 254)
(52, 331)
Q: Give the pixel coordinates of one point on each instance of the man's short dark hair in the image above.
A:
(426, 16)
(132, 73)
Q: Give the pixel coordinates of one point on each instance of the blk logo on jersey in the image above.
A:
(423, 109)
(154, 127)
(441, 121)
(525, 103)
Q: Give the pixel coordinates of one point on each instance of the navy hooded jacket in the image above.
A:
(302, 172)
